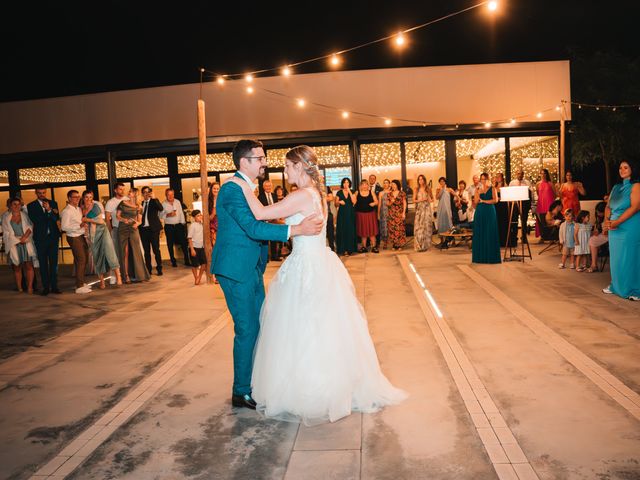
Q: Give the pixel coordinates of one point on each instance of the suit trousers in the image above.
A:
(244, 300)
(48, 258)
(176, 236)
(80, 252)
(151, 239)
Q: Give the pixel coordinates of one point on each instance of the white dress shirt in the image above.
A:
(196, 234)
(169, 207)
(71, 218)
(112, 207)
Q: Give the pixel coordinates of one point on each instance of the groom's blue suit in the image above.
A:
(238, 261)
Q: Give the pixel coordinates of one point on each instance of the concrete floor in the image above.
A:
(515, 371)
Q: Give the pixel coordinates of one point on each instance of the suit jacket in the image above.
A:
(263, 198)
(153, 217)
(240, 244)
(44, 222)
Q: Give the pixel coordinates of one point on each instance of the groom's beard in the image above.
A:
(261, 173)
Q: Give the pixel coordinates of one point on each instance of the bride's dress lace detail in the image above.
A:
(315, 360)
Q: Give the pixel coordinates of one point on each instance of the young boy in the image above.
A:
(196, 247)
(567, 239)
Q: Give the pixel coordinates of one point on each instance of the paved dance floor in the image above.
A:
(514, 371)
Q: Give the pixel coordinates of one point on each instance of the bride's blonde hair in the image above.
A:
(307, 157)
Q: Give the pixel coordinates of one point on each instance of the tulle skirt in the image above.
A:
(315, 361)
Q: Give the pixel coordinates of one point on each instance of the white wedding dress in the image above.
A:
(314, 359)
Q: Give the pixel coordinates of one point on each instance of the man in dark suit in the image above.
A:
(268, 197)
(44, 215)
(150, 228)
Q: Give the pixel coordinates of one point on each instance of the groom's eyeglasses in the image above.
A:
(260, 158)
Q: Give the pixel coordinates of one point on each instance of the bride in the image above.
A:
(314, 358)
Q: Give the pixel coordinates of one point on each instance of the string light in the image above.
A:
(387, 121)
(539, 115)
(399, 39)
(335, 60)
(301, 102)
(286, 71)
(248, 78)
(249, 89)
(487, 124)
(492, 6)
(328, 155)
(557, 108)
(216, 162)
(512, 121)
(345, 114)
(220, 80)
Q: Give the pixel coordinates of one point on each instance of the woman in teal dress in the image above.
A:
(486, 239)
(346, 241)
(102, 249)
(623, 224)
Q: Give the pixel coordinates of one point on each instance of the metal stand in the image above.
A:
(511, 253)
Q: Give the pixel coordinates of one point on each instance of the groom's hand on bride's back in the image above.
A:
(311, 225)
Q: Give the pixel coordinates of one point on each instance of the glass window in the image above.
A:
(53, 174)
(532, 154)
(191, 190)
(4, 178)
(4, 196)
(477, 155)
(102, 171)
(216, 162)
(425, 158)
(381, 160)
(148, 167)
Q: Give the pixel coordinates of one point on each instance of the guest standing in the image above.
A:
(214, 190)
(582, 235)
(175, 225)
(567, 239)
(346, 241)
(73, 227)
(366, 216)
(196, 247)
(598, 237)
(129, 218)
(111, 220)
(397, 213)
(383, 209)
(331, 228)
(101, 245)
(569, 193)
(623, 224)
(268, 197)
(150, 228)
(486, 240)
(18, 240)
(546, 195)
(443, 216)
(423, 223)
(46, 235)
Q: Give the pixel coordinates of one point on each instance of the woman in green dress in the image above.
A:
(486, 239)
(128, 214)
(346, 241)
(102, 250)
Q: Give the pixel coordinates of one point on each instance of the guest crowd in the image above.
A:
(122, 239)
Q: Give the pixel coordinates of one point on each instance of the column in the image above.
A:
(175, 181)
(111, 171)
(354, 150)
(451, 163)
(92, 183)
(14, 182)
(403, 166)
(507, 160)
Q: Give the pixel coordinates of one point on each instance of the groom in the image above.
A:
(239, 259)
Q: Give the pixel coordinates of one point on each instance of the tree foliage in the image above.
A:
(604, 135)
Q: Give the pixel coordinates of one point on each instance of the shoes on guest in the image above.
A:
(375, 250)
(112, 280)
(83, 289)
(607, 290)
(363, 250)
(174, 264)
(56, 291)
(44, 292)
(561, 265)
(159, 271)
(243, 401)
(633, 298)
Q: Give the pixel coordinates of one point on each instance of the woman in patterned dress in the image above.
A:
(397, 212)
(423, 224)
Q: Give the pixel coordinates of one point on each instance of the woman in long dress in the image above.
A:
(546, 195)
(314, 358)
(128, 214)
(623, 225)
(444, 215)
(383, 210)
(103, 252)
(486, 241)
(346, 241)
(366, 216)
(423, 223)
(18, 240)
(396, 215)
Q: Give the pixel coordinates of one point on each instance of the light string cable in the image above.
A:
(347, 50)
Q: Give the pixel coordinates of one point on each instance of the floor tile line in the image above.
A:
(482, 405)
(587, 366)
(128, 406)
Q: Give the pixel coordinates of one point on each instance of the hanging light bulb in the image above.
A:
(487, 124)
(557, 108)
(579, 107)
(249, 89)
(614, 109)
(345, 114)
(512, 121)
(492, 6)
(301, 102)
(220, 80)
(248, 77)
(400, 40)
(539, 115)
(387, 121)
(286, 71)
(335, 60)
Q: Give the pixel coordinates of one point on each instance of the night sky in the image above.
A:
(69, 47)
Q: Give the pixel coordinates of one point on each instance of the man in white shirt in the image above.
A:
(111, 219)
(73, 227)
(520, 181)
(174, 226)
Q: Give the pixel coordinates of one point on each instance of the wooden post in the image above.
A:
(562, 145)
(204, 185)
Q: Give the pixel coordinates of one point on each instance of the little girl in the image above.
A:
(582, 235)
(566, 238)
(196, 247)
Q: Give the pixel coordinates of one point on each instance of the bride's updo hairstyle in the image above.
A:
(309, 160)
